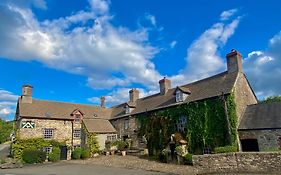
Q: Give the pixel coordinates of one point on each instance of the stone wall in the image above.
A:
(131, 132)
(267, 139)
(62, 129)
(242, 162)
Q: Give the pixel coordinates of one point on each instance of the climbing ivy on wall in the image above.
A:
(207, 124)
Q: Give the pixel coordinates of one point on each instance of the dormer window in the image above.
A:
(181, 93)
(77, 118)
(127, 109)
(179, 96)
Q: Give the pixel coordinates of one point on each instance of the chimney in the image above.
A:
(234, 61)
(26, 96)
(102, 101)
(134, 95)
(165, 85)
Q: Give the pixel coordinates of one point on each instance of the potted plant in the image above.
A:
(180, 154)
(107, 147)
(113, 147)
(122, 146)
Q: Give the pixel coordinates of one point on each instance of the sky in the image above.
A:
(76, 51)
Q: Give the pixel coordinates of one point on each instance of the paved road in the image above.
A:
(64, 168)
(4, 150)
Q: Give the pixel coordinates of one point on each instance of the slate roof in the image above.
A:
(99, 126)
(202, 89)
(261, 116)
(60, 110)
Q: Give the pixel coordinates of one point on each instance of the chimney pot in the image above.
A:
(134, 95)
(102, 101)
(165, 85)
(26, 96)
(234, 61)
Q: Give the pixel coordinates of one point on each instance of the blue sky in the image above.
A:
(77, 51)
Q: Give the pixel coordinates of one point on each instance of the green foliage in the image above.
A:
(76, 154)
(92, 143)
(179, 150)
(272, 99)
(6, 128)
(19, 145)
(210, 122)
(33, 156)
(225, 149)
(188, 159)
(54, 156)
(121, 145)
(85, 154)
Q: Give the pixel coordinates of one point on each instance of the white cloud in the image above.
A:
(173, 44)
(8, 102)
(151, 18)
(225, 15)
(99, 51)
(203, 57)
(263, 69)
(119, 96)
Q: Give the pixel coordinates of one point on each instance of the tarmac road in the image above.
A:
(64, 168)
(4, 150)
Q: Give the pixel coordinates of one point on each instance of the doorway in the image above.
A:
(250, 145)
(63, 153)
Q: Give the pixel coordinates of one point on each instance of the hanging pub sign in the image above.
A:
(27, 124)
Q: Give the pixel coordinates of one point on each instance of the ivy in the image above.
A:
(19, 145)
(92, 143)
(210, 122)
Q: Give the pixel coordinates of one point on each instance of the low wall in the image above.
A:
(242, 162)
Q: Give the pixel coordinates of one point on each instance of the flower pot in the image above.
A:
(107, 153)
(123, 153)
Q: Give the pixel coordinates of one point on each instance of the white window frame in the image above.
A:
(126, 124)
(181, 124)
(48, 133)
(77, 133)
(127, 109)
(111, 137)
(179, 96)
(48, 149)
(77, 118)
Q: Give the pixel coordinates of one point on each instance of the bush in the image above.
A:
(76, 154)
(188, 159)
(85, 154)
(122, 145)
(225, 149)
(33, 156)
(54, 156)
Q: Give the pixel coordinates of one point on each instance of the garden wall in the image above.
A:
(242, 162)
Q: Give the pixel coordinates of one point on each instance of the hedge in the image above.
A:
(225, 149)
(33, 156)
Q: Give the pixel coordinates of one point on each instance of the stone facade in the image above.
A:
(62, 129)
(257, 162)
(243, 95)
(128, 132)
(267, 139)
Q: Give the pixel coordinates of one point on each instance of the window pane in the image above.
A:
(77, 133)
(48, 133)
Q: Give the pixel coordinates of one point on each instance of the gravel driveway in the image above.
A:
(133, 162)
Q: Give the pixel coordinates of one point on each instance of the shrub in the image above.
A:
(54, 156)
(33, 156)
(225, 149)
(179, 150)
(188, 159)
(76, 154)
(85, 154)
(122, 145)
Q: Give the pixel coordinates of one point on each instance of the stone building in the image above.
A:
(260, 128)
(63, 121)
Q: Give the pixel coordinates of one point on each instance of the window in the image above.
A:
(126, 124)
(127, 109)
(181, 124)
(179, 96)
(48, 133)
(48, 149)
(111, 137)
(77, 118)
(77, 133)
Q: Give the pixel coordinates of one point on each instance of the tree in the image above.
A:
(6, 129)
(272, 99)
